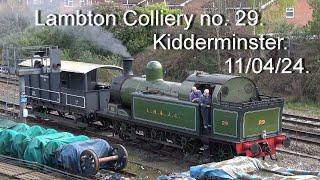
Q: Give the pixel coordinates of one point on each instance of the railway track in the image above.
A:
(301, 128)
(301, 120)
(301, 135)
(9, 109)
(22, 169)
(12, 80)
(298, 154)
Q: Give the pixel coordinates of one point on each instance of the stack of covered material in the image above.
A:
(34, 143)
(242, 168)
(7, 136)
(38, 150)
(22, 140)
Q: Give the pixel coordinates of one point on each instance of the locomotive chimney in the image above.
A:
(127, 66)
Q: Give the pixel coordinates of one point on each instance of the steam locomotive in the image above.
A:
(158, 111)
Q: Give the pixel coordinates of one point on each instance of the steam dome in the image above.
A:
(154, 71)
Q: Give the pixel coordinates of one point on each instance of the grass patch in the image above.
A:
(306, 108)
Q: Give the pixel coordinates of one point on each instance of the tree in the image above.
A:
(314, 25)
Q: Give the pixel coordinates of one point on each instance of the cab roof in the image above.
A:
(72, 66)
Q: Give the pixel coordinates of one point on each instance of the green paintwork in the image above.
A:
(238, 89)
(225, 122)
(165, 104)
(185, 89)
(154, 71)
(138, 84)
(255, 122)
(166, 112)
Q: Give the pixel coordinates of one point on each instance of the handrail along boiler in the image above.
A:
(158, 111)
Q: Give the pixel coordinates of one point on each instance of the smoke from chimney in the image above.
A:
(96, 36)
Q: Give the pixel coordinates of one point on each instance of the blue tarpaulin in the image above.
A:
(68, 156)
(242, 168)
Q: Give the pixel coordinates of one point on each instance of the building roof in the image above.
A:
(73, 66)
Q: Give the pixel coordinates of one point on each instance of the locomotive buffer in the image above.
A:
(43, 59)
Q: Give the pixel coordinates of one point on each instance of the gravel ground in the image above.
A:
(150, 165)
(5, 177)
(296, 162)
(298, 146)
(163, 165)
(166, 165)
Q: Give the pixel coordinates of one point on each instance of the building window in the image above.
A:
(290, 13)
(85, 3)
(37, 2)
(68, 3)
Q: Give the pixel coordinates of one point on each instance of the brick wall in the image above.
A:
(302, 13)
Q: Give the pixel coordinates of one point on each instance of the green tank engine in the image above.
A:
(243, 121)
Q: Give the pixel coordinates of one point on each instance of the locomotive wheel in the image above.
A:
(155, 146)
(116, 127)
(221, 152)
(155, 135)
(61, 114)
(124, 131)
(122, 153)
(190, 145)
(89, 163)
(176, 139)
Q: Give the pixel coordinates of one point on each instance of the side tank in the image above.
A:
(153, 82)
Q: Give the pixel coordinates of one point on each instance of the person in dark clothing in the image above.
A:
(194, 95)
(205, 104)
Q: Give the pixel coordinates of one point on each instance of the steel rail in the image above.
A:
(9, 80)
(298, 154)
(302, 123)
(301, 117)
(300, 135)
(36, 167)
